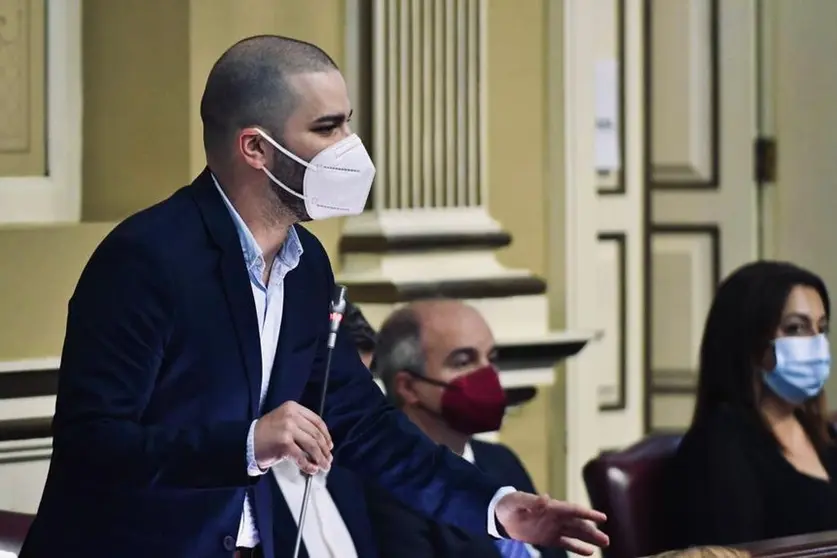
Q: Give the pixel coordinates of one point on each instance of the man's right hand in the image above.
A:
(294, 432)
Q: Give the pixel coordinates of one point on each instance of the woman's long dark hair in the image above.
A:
(742, 322)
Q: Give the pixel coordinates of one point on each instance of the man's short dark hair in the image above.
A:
(399, 349)
(248, 86)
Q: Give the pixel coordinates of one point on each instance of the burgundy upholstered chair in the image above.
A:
(629, 486)
(13, 529)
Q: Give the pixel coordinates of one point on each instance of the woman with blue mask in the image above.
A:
(759, 460)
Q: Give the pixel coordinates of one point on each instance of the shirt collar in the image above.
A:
(468, 453)
(291, 250)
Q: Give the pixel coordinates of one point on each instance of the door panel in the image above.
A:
(602, 222)
(616, 358)
(703, 214)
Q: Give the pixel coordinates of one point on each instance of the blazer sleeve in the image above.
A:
(380, 444)
(720, 500)
(119, 321)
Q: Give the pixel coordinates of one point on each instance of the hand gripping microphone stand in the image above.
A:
(338, 309)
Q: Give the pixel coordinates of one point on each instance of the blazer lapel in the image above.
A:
(243, 309)
(235, 281)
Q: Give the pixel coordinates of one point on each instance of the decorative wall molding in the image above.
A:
(30, 451)
(613, 396)
(55, 197)
(428, 90)
(394, 293)
(674, 382)
(432, 242)
(28, 383)
(15, 430)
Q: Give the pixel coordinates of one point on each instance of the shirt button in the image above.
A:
(229, 543)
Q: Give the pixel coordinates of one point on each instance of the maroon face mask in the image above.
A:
(474, 403)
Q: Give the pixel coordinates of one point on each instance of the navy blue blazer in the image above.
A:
(159, 382)
(346, 490)
(405, 533)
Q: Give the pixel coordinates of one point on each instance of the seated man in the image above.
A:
(337, 523)
(435, 359)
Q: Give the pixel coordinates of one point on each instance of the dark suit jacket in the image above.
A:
(159, 383)
(346, 490)
(404, 533)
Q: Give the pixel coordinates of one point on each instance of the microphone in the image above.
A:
(335, 318)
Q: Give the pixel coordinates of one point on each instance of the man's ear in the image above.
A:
(404, 387)
(251, 147)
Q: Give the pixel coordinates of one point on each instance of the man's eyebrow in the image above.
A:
(334, 119)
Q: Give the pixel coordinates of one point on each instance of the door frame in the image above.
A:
(56, 196)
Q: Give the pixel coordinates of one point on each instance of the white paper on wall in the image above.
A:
(607, 116)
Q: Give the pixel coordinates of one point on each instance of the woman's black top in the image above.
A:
(731, 484)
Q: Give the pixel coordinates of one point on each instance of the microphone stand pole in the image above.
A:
(338, 308)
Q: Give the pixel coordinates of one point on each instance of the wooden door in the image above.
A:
(702, 214)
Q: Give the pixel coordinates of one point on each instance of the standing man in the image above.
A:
(436, 359)
(196, 347)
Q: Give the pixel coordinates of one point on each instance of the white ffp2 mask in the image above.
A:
(337, 180)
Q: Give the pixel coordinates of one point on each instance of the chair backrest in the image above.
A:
(13, 529)
(630, 486)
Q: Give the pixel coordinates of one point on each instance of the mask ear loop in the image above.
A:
(279, 183)
(287, 153)
(421, 377)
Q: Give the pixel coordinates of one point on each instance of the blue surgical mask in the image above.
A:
(802, 368)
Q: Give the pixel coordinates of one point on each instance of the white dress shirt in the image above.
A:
(270, 301)
(325, 533)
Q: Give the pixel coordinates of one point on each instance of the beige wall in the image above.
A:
(136, 105)
(517, 167)
(517, 123)
(40, 269)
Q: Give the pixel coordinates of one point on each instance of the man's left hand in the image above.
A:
(542, 521)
